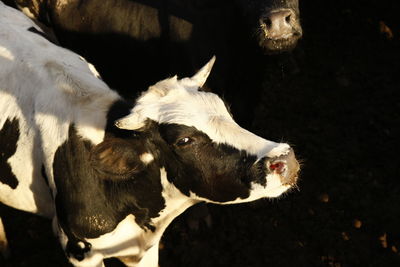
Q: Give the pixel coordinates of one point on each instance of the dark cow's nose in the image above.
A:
(286, 166)
(278, 24)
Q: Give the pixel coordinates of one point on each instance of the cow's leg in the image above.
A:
(89, 259)
(3, 241)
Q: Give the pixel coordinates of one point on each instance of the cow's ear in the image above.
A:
(116, 159)
(133, 121)
(200, 78)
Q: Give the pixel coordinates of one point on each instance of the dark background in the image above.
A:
(339, 107)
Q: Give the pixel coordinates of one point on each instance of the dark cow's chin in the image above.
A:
(272, 47)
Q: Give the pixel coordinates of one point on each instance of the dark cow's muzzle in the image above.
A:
(280, 31)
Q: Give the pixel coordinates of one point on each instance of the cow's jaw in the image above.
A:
(274, 188)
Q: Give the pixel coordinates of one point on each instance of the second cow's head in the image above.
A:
(191, 135)
(275, 24)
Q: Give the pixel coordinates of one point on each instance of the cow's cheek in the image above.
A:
(222, 187)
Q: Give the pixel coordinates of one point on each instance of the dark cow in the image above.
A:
(112, 174)
(153, 39)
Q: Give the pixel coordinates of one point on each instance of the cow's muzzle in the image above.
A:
(279, 24)
(281, 30)
(286, 166)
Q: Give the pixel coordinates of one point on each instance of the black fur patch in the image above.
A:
(9, 136)
(89, 204)
(44, 175)
(217, 172)
(45, 36)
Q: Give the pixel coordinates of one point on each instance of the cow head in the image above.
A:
(274, 23)
(205, 154)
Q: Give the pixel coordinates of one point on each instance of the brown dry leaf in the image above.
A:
(384, 29)
(394, 249)
(383, 241)
(331, 261)
(324, 198)
(311, 211)
(345, 236)
(357, 223)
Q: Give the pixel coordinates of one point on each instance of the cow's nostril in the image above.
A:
(278, 167)
(279, 22)
(288, 18)
(268, 23)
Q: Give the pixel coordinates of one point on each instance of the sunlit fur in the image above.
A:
(171, 101)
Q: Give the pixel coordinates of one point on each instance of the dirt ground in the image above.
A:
(340, 110)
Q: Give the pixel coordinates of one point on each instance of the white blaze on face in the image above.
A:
(180, 102)
(207, 113)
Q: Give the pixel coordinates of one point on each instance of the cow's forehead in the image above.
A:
(192, 107)
(180, 105)
(207, 113)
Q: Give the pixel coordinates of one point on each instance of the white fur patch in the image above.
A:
(93, 70)
(5, 53)
(175, 201)
(274, 188)
(146, 158)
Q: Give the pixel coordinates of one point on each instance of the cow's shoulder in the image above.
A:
(100, 184)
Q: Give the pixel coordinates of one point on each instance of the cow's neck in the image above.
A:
(138, 240)
(175, 204)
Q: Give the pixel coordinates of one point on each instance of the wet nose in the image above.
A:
(278, 24)
(286, 166)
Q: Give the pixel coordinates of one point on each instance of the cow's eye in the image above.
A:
(184, 141)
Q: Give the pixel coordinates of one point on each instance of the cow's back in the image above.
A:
(21, 173)
(43, 90)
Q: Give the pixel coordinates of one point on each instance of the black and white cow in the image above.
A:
(153, 39)
(111, 173)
